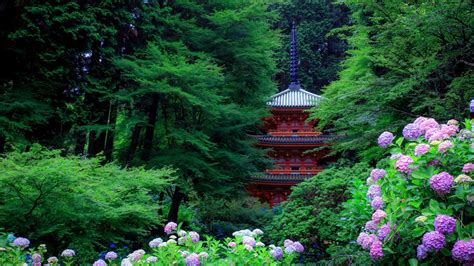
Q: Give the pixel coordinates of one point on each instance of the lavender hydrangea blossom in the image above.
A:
(370, 226)
(421, 252)
(377, 174)
(170, 227)
(192, 260)
(99, 262)
(111, 255)
(277, 253)
(427, 124)
(433, 241)
(441, 183)
(412, 131)
(445, 224)
(248, 240)
(377, 203)
(374, 191)
(443, 146)
(468, 167)
(421, 149)
(384, 231)
(194, 236)
(403, 164)
(21, 242)
(155, 242)
(385, 139)
(378, 215)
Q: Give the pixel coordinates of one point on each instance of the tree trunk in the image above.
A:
(109, 134)
(133, 144)
(175, 203)
(150, 128)
(80, 143)
(2, 144)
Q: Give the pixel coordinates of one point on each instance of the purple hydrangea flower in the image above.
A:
(463, 251)
(443, 146)
(377, 203)
(277, 253)
(287, 243)
(420, 120)
(471, 106)
(298, 247)
(361, 238)
(68, 253)
(378, 215)
(374, 191)
(155, 242)
(395, 156)
(290, 249)
(194, 236)
(376, 250)
(192, 260)
(433, 162)
(385, 139)
(248, 240)
(421, 252)
(403, 164)
(433, 241)
(442, 183)
(384, 231)
(170, 227)
(421, 149)
(445, 224)
(370, 226)
(111, 255)
(377, 174)
(99, 263)
(468, 167)
(438, 135)
(21, 242)
(412, 131)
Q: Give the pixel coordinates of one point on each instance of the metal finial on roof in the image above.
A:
(295, 84)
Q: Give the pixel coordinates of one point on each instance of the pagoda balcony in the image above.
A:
(293, 172)
(290, 133)
(268, 140)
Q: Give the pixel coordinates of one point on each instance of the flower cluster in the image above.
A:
(441, 183)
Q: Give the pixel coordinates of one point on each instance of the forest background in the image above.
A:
(171, 90)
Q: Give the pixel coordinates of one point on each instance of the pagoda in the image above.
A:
(297, 149)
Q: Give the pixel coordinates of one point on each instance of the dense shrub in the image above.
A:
(76, 202)
(182, 248)
(311, 213)
(221, 217)
(422, 199)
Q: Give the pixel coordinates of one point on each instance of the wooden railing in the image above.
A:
(289, 172)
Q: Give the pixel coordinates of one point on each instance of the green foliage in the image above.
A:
(412, 204)
(312, 212)
(221, 217)
(405, 59)
(76, 202)
(319, 51)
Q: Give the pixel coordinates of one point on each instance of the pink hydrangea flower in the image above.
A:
(378, 215)
(441, 183)
(170, 227)
(365, 241)
(421, 149)
(111, 255)
(445, 224)
(232, 244)
(376, 251)
(468, 167)
(99, 263)
(449, 130)
(427, 124)
(377, 174)
(403, 164)
(443, 146)
(248, 240)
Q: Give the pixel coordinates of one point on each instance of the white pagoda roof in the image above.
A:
(294, 97)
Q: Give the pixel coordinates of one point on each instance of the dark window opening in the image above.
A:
(295, 168)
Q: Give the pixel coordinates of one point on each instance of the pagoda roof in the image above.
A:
(280, 178)
(268, 139)
(295, 97)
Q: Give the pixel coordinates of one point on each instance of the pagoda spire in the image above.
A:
(295, 84)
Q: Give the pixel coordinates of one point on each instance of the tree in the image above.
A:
(406, 60)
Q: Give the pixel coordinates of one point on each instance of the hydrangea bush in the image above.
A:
(245, 247)
(422, 200)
